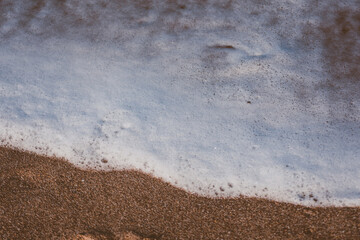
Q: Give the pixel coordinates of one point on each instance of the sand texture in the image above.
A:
(48, 198)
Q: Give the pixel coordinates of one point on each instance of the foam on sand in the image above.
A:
(218, 99)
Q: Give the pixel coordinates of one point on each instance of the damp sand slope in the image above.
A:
(48, 198)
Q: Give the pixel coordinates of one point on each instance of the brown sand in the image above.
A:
(47, 198)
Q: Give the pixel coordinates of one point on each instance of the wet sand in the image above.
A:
(48, 198)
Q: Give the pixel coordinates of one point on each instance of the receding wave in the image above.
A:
(220, 98)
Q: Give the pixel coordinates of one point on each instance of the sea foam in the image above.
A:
(218, 98)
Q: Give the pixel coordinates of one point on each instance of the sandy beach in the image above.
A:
(48, 198)
(221, 98)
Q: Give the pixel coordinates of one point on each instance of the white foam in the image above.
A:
(157, 89)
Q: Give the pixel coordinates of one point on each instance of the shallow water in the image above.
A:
(249, 97)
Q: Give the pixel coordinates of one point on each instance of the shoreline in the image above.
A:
(48, 198)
